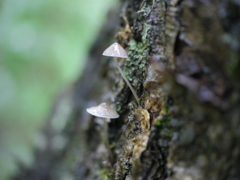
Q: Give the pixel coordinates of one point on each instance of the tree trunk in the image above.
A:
(184, 65)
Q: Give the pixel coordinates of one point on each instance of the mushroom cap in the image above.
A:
(103, 110)
(115, 50)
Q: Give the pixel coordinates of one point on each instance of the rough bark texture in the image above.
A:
(183, 63)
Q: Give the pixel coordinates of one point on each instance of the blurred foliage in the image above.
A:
(42, 48)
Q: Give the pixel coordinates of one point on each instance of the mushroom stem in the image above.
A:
(128, 83)
(106, 132)
(106, 138)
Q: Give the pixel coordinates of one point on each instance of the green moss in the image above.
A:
(158, 122)
(164, 122)
(118, 106)
(136, 62)
(104, 174)
(146, 28)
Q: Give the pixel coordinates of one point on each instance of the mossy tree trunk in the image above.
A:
(184, 65)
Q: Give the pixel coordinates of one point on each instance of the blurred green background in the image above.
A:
(43, 45)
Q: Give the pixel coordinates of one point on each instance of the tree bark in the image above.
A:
(184, 65)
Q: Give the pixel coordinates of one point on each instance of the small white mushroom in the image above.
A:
(104, 110)
(116, 50)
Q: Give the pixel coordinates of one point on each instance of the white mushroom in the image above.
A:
(104, 110)
(116, 50)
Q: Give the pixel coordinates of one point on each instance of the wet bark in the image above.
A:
(184, 65)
